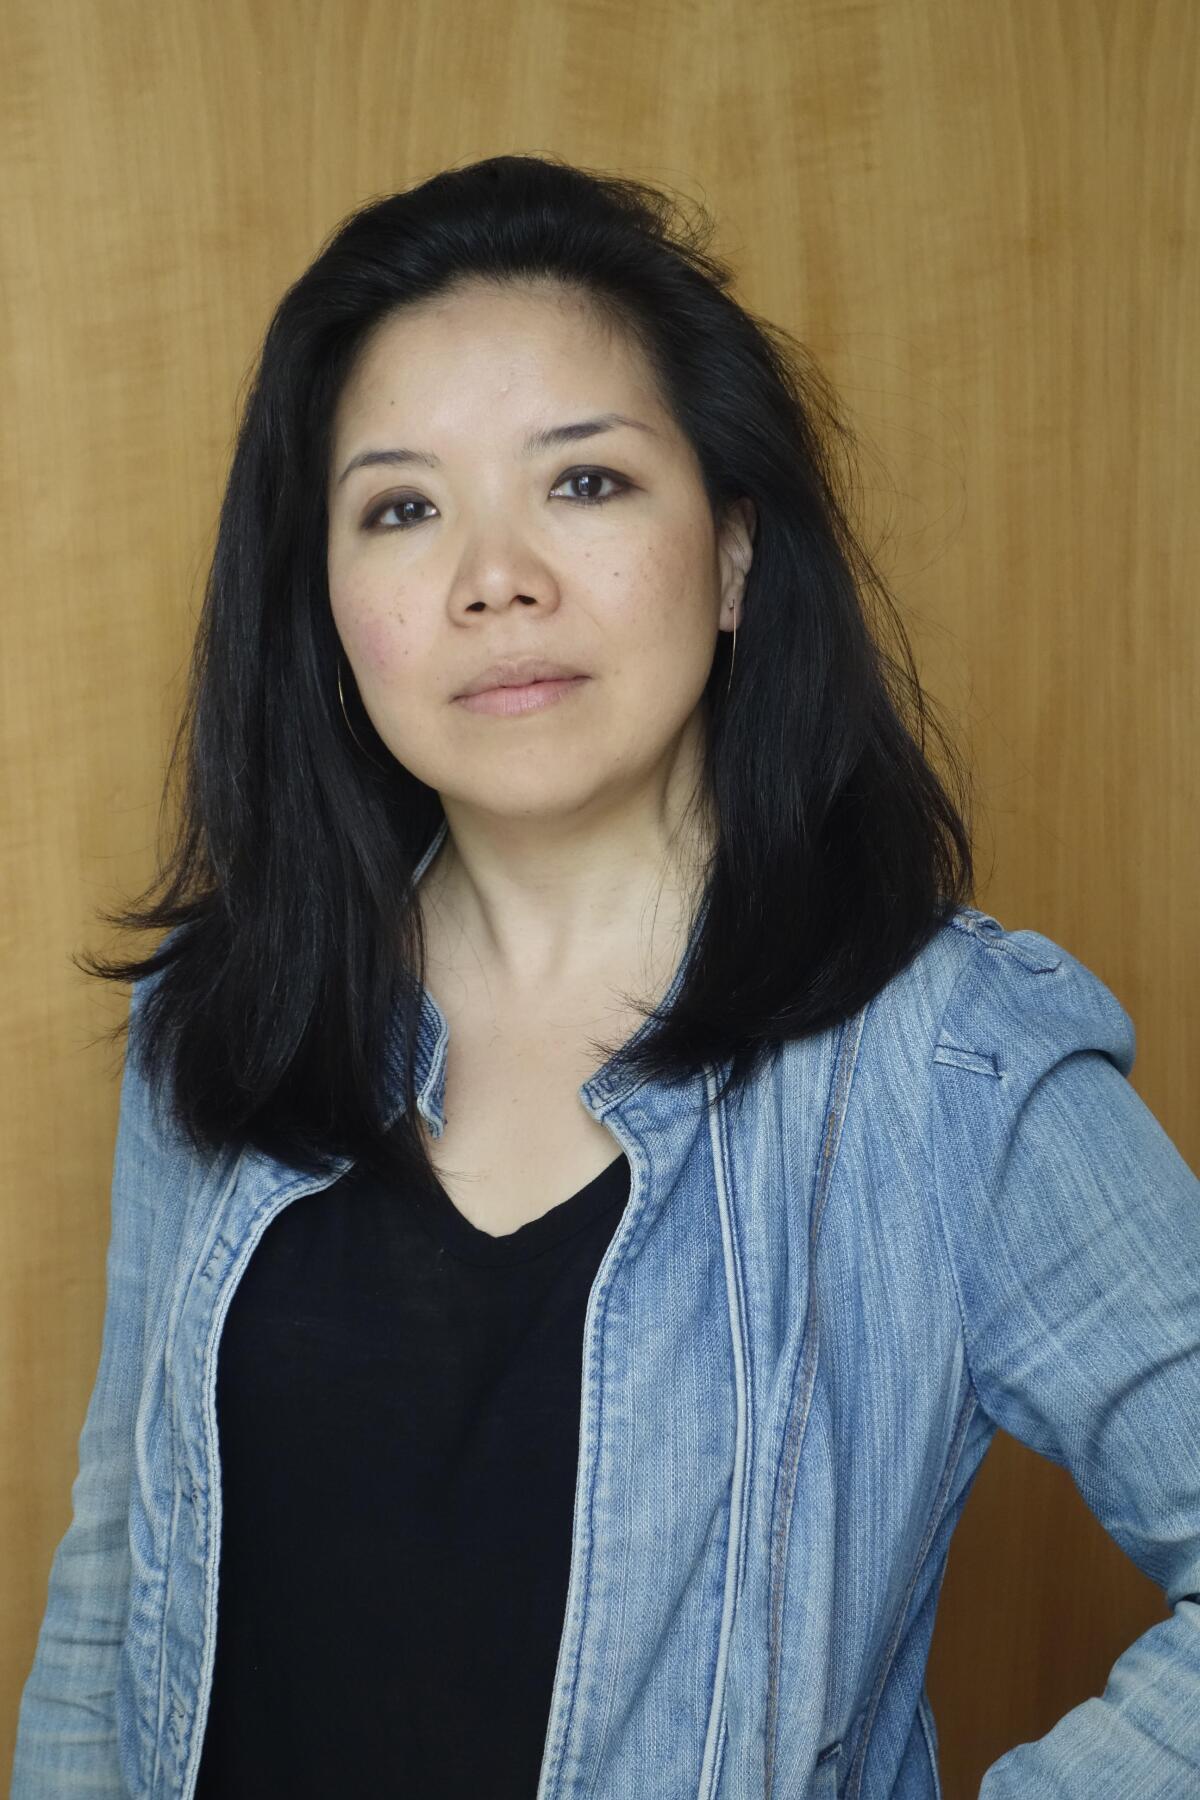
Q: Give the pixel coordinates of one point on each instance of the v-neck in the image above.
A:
(461, 1239)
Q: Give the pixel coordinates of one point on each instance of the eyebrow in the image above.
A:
(545, 439)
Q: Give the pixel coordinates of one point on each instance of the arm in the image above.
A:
(1074, 1229)
(66, 1732)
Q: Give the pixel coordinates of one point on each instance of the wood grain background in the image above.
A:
(982, 218)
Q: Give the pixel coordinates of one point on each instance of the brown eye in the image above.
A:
(377, 514)
(593, 477)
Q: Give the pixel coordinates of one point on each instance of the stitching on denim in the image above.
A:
(747, 1355)
(845, 1064)
(150, 1719)
(967, 1410)
(923, 1713)
(974, 923)
(209, 1564)
(979, 1062)
(174, 1318)
(931, 1183)
(722, 1745)
(166, 1601)
(740, 1484)
(553, 1752)
(780, 1531)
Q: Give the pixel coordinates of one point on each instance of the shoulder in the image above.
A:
(981, 999)
(1027, 1070)
(1017, 1001)
(958, 1040)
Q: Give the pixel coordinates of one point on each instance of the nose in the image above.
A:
(499, 564)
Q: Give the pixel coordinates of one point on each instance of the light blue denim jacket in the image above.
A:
(951, 1213)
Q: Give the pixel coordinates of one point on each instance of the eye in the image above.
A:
(592, 475)
(377, 517)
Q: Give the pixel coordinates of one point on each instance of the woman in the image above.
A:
(588, 1186)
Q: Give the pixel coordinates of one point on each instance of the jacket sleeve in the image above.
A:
(66, 1745)
(1073, 1225)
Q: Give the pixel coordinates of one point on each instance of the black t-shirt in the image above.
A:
(398, 1411)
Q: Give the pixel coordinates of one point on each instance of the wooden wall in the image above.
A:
(981, 215)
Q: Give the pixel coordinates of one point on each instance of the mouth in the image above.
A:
(513, 702)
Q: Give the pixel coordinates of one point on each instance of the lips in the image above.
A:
(527, 697)
(518, 672)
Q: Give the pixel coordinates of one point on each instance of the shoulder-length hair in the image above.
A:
(296, 950)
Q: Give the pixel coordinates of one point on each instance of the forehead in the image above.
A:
(514, 342)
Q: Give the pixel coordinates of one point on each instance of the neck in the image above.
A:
(543, 907)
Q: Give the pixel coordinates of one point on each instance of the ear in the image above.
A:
(735, 551)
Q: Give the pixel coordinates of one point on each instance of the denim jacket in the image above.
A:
(952, 1212)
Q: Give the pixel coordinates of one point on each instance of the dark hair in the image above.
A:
(297, 950)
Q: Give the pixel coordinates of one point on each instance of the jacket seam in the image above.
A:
(968, 1407)
(714, 1746)
(796, 1421)
(931, 1171)
(924, 1714)
(174, 1316)
(554, 1753)
(970, 1401)
(207, 1537)
(166, 1594)
(171, 1331)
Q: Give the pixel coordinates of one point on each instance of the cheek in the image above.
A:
(377, 644)
(383, 646)
(668, 598)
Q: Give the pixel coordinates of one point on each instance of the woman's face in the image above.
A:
(457, 546)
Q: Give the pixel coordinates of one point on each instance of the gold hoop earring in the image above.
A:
(346, 716)
(732, 654)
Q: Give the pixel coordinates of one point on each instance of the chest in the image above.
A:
(518, 1139)
(706, 1424)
